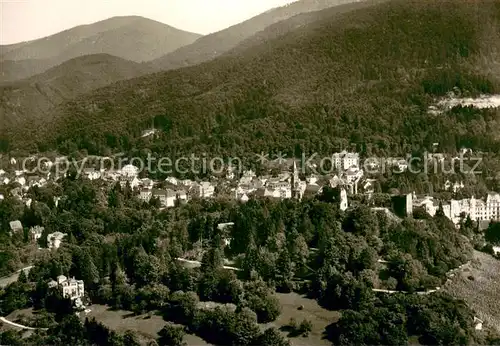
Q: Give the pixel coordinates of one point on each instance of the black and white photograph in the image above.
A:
(249, 172)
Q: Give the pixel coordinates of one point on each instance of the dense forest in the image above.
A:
(125, 252)
(364, 78)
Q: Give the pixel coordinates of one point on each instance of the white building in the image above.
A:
(477, 209)
(70, 288)
(345, 160)
(146, 183)
(130, 171)
(54, 240)
(91, 173)
(203, 189)
(343, 200)
(145, 195)
(167, 197)
(15, 227)
(35, 233)
(172, 180)
(131, 180)
(353, 174)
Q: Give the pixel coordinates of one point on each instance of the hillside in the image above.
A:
(365, 77)
(282, 27)
(211, 46)
(31, 99)
(132, 38)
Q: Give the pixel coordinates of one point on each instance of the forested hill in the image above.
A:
(285, 26)
(213, 45)
(131, 38)
(365, 77)
(30, 99)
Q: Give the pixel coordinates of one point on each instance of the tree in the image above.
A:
(305, 327)
(69, 332)
(130, 339)
(22, 277)
(492, 233)
(171, 336)
(273, 337)
(245, 328)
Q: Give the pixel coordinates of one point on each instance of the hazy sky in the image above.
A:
(22, 20)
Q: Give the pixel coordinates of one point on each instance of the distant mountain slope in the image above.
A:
(283, 27)
(30, 99)
(216, 44)
(132, 38)
(12, 70)
(366, 77)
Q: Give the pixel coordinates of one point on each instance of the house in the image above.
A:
(20, 180)
(35, 233)
(1, 197)
(336, 181)
(70, 288)
(230, 175)
(2, 172)
(146, 183)
(167, 197)
(368, 186)
(145, 195)
(91, 173)
(16, 192)
(312, 179)
(426, 203)
(131, 180)
(112, 175)
(15, 227)
(345, 160)
(13, 161)
(478, 324)
(353, 174)
(35, 180)
(242, 197)
(402, 165)
(129, 171)
(203, 189)
(181, 195)
(172, 180)
(5, 181)
(54, 240)
(312, 190)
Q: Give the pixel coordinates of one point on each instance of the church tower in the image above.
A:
(295, 182)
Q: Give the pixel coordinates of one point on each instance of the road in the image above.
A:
(2, 319)
(6, 280)
(198, 263)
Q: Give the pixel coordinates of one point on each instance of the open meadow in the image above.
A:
(478, 283)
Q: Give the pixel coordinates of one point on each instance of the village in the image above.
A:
(350, 176)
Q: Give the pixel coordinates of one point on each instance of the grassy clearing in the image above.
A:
(319, 317)
(478, 284)
(144, 325)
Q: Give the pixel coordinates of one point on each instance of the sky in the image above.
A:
(23, 20)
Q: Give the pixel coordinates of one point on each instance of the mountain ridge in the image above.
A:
(364, 77)
(132, 38)
(213, 45)
(61, 83)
